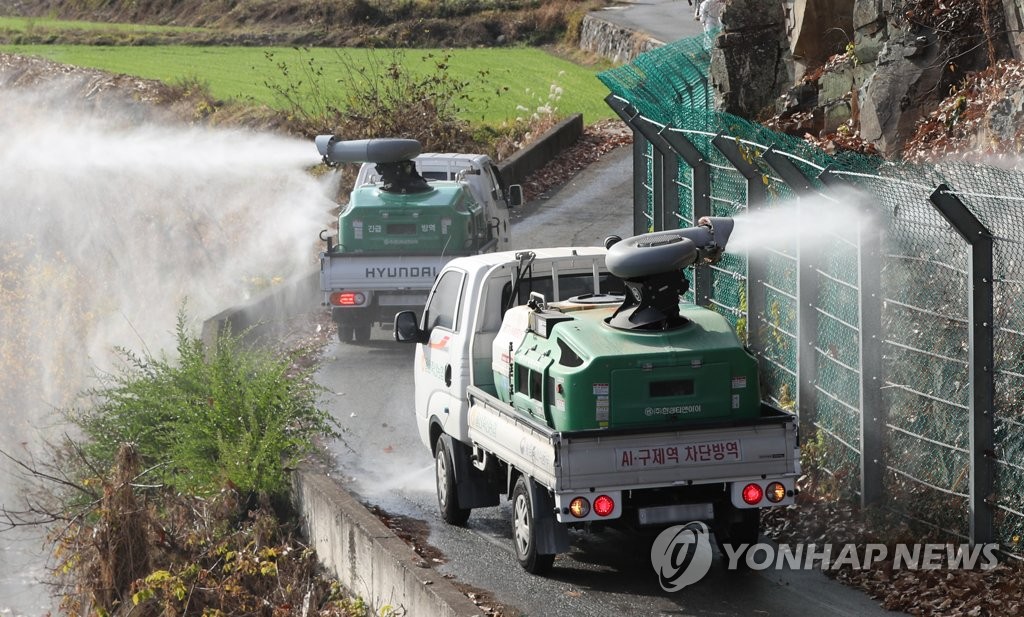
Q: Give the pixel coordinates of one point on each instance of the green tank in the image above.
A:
(442, 220)
(402, 213)
(586, 374)
(649, 361)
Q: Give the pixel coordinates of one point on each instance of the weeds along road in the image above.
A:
(380, 457)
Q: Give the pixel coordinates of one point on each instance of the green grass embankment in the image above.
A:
(514, 83)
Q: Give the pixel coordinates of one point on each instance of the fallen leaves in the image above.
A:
(597, 140)
(980, 120)
(998, 592)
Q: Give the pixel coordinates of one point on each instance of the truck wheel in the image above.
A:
(447, 497)
(345, 333)
(743, 526)
(524, 531)
(361, 333)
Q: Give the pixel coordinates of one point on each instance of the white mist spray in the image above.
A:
(107, 224)
(813, 222)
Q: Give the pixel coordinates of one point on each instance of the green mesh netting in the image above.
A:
(925, 285)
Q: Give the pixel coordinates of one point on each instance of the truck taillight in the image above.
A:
(579, 507)
(752, 494)
(775, 492)
(348, 298)
(604, 505)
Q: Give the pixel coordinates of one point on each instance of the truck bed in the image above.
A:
(624, 459)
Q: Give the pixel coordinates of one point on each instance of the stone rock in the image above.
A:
(748, 15)
(836, 83)
(1014, 12)
(821, 28)
(1004, 119)
(801, 97)
(868, 44)
(835, 114)
(898, 94)
(749, 67)
(868, 15)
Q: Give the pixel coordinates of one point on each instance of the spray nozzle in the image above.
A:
(650, 265)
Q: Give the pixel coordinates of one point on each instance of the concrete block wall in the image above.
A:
(368, 558)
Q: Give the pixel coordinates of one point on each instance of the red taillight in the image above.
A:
(752, 494)
(347, 298)
(604, 505)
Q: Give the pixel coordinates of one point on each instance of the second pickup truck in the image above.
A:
(407, 216)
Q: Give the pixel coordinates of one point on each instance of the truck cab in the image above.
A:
(465, 313)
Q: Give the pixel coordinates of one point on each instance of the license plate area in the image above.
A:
(677, 513)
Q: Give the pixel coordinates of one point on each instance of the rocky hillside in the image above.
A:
(907, 79)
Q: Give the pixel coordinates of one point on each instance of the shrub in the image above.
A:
(220, 415)
(381, 97)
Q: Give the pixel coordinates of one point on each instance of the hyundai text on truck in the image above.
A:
(408, 214)
(576, 382)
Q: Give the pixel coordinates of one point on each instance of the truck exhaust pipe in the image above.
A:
(651, 267)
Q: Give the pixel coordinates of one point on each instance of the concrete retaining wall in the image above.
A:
(616, 43)
(516, 168)
(266, 315)
(368, 558)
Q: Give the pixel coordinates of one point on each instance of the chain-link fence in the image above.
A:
(900, 340)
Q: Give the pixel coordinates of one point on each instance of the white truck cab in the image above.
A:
(463, 315)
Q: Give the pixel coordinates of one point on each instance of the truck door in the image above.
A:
(441, 390)
(500, 209)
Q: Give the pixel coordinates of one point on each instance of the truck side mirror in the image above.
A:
(407, 329)
(515, 196)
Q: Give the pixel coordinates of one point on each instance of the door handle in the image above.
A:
(448, 375)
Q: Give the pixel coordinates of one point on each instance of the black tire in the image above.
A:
(447, 497)
(345, 333)
(362, 333)
(524, 531)
(739, 526)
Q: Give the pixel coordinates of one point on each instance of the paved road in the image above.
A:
(381, 459)
(665, 20)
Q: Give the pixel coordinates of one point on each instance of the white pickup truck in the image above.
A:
(538, 378)
(408, 215)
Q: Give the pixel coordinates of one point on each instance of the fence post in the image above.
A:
(981, 357)
(664, 186)
(806, 299)
(642, 222)
(873, 415)
(756, 275)
(701, 200)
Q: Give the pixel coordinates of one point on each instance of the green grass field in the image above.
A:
(516, 78)
(29, 24)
